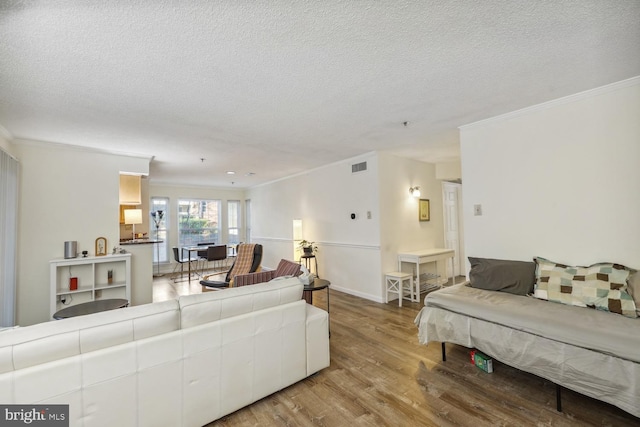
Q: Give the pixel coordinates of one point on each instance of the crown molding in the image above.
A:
(61, 146)
(358, 158)
(5, 134)
(170, 184)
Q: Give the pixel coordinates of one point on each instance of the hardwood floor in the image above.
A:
(381, 376)
(165, 288)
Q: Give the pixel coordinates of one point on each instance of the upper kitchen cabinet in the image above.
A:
(130, 193)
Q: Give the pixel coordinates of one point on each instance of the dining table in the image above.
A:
(189, 250)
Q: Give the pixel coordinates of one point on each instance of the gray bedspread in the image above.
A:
(591, 352)
(601, 331)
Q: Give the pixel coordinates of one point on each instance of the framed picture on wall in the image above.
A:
(423, 210)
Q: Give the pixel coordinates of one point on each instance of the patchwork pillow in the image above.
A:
(515, 277)
(602, 286)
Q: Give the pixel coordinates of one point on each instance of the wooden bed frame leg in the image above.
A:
(558, 398)
(444, 353)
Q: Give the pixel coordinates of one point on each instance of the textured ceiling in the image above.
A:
(278, 87)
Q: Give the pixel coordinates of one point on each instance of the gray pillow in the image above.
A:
(515, 277)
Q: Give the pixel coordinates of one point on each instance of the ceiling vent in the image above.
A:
(359, 167)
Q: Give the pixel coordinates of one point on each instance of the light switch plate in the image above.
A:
(477, 210)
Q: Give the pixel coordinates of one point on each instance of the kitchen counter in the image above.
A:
(139, 242)
(141, 269)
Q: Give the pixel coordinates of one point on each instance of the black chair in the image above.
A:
(203, 253)
(214, 253)
(182, 260)
(245, 262)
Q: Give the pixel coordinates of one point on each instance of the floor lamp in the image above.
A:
(157, 219)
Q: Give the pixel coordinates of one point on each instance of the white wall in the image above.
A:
(65, 194)
(401, 230)
(173, 193)
(449, 171)
(354, 254)
(324, 198)
(559, 180)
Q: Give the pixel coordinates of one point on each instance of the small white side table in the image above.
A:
(424, 256)
(398, 282)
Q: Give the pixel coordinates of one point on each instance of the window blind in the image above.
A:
(8, 237)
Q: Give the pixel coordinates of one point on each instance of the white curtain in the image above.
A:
(8, 237)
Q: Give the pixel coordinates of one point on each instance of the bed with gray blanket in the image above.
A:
(593, 352)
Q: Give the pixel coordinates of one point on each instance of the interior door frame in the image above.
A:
(461, 265)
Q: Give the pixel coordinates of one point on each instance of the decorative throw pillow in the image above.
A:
(515, 277)
(287, 268)
(602, 286)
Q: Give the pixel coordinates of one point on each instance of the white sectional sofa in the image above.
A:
(183, 362)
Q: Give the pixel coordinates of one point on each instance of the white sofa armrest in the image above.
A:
(317, 325)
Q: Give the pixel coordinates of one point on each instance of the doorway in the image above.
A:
(453, 230)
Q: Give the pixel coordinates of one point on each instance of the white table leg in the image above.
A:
(453, 273)
(417, 284)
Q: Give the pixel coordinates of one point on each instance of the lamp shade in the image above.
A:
(133, 216)
(297, 229)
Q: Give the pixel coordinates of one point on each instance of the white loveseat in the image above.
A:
(183, 362)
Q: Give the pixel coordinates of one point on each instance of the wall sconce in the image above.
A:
(414, 191)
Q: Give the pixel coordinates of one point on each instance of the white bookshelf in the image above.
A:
(93, 283)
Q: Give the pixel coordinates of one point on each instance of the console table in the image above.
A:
(424, 256)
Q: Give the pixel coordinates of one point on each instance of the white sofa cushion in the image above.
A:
(68, 337)
(208, 307)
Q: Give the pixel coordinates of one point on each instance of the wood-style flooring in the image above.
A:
(381, 376)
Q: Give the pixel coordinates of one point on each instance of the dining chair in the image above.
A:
(182, 260)
(203, 252)
(214, 253)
